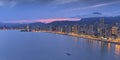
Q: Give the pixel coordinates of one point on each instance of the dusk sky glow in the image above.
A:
(43, 20)
(40, 10)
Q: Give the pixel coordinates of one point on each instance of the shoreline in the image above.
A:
(88, 37)
(117, 41)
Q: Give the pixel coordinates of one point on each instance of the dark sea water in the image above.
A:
(15, 45)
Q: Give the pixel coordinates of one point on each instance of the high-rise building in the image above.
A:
(91, 30)
(114, 30)
(28, 28)
(75, 29)
(102, 27)
(69, 29)
(102, 22)
(84, 29)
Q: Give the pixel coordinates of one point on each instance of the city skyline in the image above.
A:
(59, 29)
(34, 10)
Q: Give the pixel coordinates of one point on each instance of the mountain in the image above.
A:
(90, 20)
(62, 23)
(37, 24)
(107, 20)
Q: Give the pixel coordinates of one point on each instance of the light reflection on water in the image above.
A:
(47, 46)
(104, 47)
(117, 50)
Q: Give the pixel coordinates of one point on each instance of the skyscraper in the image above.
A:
(75, 29)
(102, 27)
(114, 32)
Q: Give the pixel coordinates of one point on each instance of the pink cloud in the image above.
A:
(44, 20)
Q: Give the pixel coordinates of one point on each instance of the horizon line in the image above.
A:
(48, 20)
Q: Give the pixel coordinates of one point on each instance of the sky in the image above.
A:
(15, 11)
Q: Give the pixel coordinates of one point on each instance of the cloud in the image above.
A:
(105, 4)
(12, 3)
(9, 3)
(1, 3)
(92, 6)
(43, 20)
(24, 2)
(97, 13)
(64, 1)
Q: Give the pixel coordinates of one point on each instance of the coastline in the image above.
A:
(117, 41)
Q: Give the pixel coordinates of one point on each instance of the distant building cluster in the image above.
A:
(98, 30)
